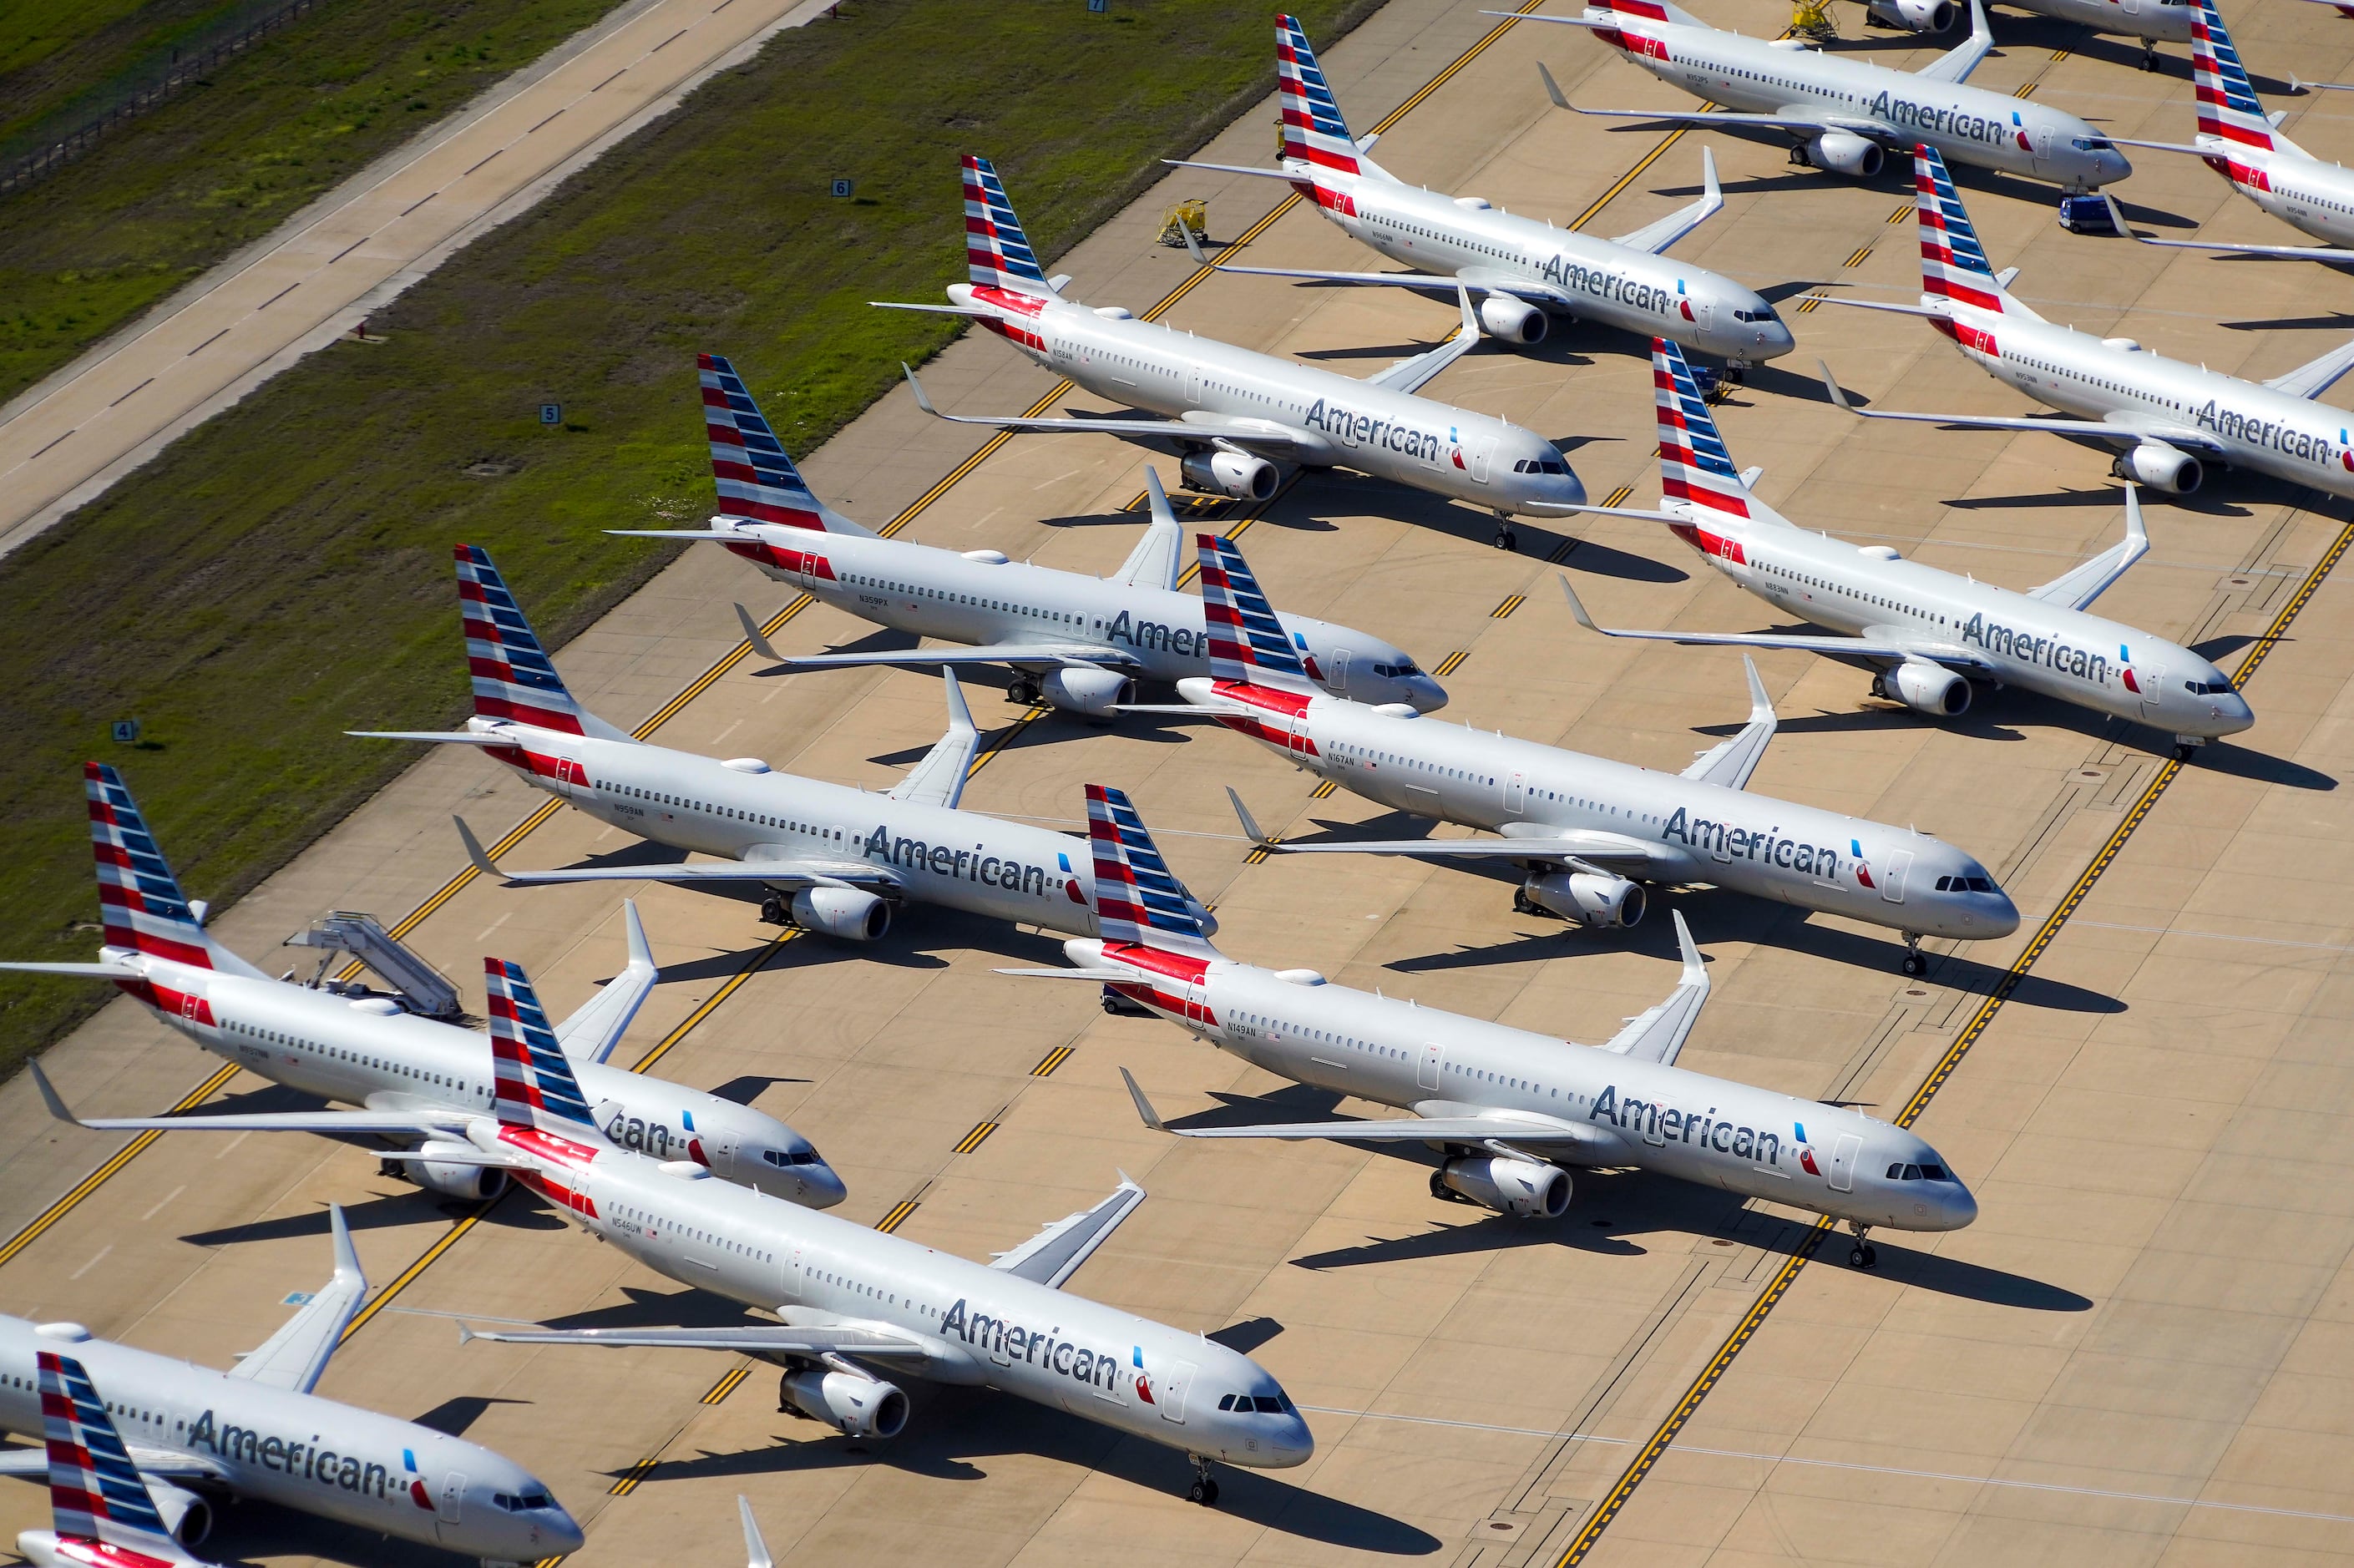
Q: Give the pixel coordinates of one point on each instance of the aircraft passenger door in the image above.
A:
(1892, 886)
(2153, 685)
(1340, 671)
(1479, 447)
(1193, 386)
(1704, 312)
(1427, 1072)
(1516, 789)
(448, 1500)
(1169, 1393)
(2043, 143)
(721, 1150)
(1197, 1002)
(1842, 1169)
(189, 1003)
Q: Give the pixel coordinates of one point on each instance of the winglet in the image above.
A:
(1470, 317)
(1553, 88)
(1251, 829)
(2136, 533)
(917, 387)
(476, 852)
(1761, 706)
(1711, 192)
(959, 714)
(1577, 605)
(1193, 247)
(757, 638)
(1695, 967)
(1831, 386)
(755, 1551)
(466, 1335)
(1143, 1106)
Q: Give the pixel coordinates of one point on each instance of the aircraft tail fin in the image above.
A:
(2228, 105)
(754, 475)
(1138, 900)
(1695, 466)
(1954, 265)
(996, 251)
(514, 679)
(141, 905)
(531, 1079)
(1313, 132)
(96, 1492)
(1248, 643)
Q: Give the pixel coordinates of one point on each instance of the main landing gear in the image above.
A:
(1914, 963)
(1025, 690)
(773, 911)
(1863, 1255)
(1204, 1490)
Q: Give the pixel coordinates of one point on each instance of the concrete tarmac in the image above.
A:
(2137, 1355)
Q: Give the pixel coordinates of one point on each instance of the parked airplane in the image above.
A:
(849, 1295)
(1524, 265)
(2242, 142)
(1233, 412)
(2151, 21)
(2164, 415)
(833, 858)
(1587, 831)
(180, 1433)
(1924, 633)
(419, 1080)
(1077, 641)
(1845, 114)
(1509, 1109)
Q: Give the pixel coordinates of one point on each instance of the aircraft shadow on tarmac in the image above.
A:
(254, 1532)
(452, 1417)
(952, 1430)
(2207, 504)
(385, 1211)
(2336, 320)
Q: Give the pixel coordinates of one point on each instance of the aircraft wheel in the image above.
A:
(1203, 1492)
(1440, 1190)
(1863, 1255)
(1507, 540)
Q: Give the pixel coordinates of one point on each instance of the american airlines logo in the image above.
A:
(1034, 1347)
(1941, 120)
(1153, 637)
(2271, 435)
(1725, 841)
(304, 1461)
(964, 865)
(1365, 430)
(1617, 287)
(1656, 1123)
(2029, 649)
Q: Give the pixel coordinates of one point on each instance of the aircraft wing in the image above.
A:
(1254, 433)
(2080, 588)
(590, 1034)
(1501, 1127)
(1731, 762)
(1158, 559)
(1658, 1034)
(777, 865)
(94, 972)
(2116, 431)
(1565, 844)
(414, 1124)
(1412, 374)
(1056, 654)
(164, 1464)
(939, 778)
(760, 1339)
(293, 1357)
(2285, 252)
(1054, 1253)
(1897, 645)
(2316, 376)
(1657, 236)
(1956, 63)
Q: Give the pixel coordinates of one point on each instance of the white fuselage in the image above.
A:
(2155, 21)
(1330, 420)
(940, 593)
(2069, 655)
(2256, 427)
(961, 860)
(1694, 831)
(979, 1325)
(299, 1450)
(2294, 186)
(1619, 285)
(360, 1054)
(1965, 124)
(1679, 1123)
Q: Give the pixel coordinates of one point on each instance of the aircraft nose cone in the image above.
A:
(1957, 1208)
(1426, 695)
(825, 1187)
(2109, 166)
(2235, 715)
(2002, 915)
(560, 1534)
(1780, 341)
(1291, 1443)
(1566, 489)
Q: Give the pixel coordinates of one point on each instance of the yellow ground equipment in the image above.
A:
(1812, 19)
(1192, 214)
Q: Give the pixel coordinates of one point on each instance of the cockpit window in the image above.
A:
(521, 1502)
(1262, 1403)
(790, 1157)
(2207, 688)
(1539, 466)
(1903, 1172)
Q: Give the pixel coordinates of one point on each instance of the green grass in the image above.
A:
(171, 193)
(282, 573)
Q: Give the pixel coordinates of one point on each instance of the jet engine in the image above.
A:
(1913, 16)
(1589, 898)
(1086, 689)
(852, 914)
(2161, 467)
(467, 1184)
(1238, 475)
(1845, 153)
(860, 1407)
(1925, 689)
(1520, 1188)
(1512, 319)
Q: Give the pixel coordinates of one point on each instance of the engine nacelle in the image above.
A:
(467, 1184)
(1913, 16)
(1845, 153)
(1512, 319)
(852, 914)
(2162, 467)
(1520, 1188)
(1238, 475)
(1588, 897)
(1926, 689)
(858, 1406)
(1088, 690)
(186, 1517)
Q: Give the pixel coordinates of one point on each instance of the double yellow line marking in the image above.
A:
(976, 1138)
(896, 1217)
(1452, 662)
(1662, 1439)
(1509, 606)
(1052, 1060)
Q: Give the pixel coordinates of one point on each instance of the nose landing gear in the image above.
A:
(1914, 963)
(1863, 1255)
(2186, 747)
(1204, 1490)
(1505, 538)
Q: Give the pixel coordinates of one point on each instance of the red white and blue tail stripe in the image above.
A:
(139, 903)
(1694, 466)
(751, 469)
(532, 1083)
(514, 677)
(1138, 900)
(1248, 643)
(96, 1493)
(2228, 105)
(1313, 132)
(1953, 263)
(997, 253)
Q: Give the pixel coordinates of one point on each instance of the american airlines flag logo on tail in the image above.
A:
(514, 677)
(1953, 262)
(1138, 897)
(754, 477)
(532, 1082)
(997, 253)
(1694, 466)
(2228, 106)
(139, 903)
(1248, 643)
(1314, 131)
(95, 1491)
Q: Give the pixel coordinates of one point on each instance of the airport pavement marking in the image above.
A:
(1052, 1060)
(975, 1139)
(1322, 791)
(1452, 662)
(1904, 210)
(897, 1216)
(121, 1157)
(726, 1384)
(1863, 253)
(1510, 605)
(1663, 1438)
